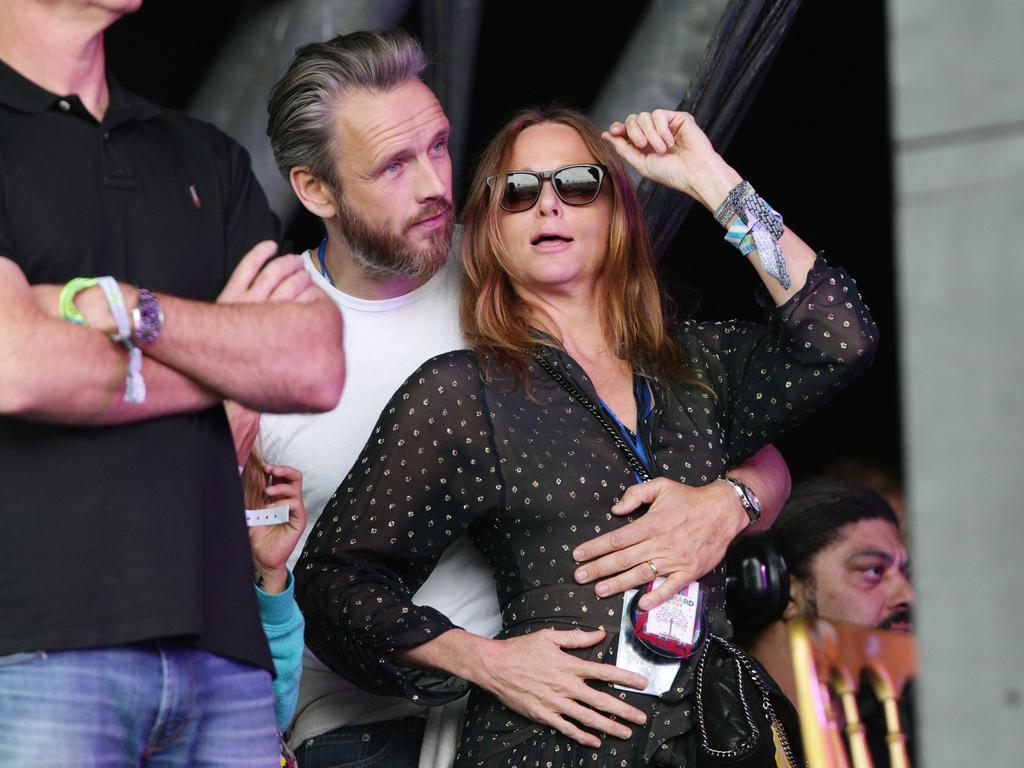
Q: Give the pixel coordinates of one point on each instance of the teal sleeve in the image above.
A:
(283, 625)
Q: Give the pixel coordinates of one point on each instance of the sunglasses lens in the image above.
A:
(575, 185)
(578, 184)
(521, 191)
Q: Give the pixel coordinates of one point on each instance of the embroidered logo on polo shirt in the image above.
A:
(195, 196)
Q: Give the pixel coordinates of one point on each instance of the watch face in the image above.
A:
(748, 498)
(752, 498)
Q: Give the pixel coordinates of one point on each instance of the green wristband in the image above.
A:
(68, 310)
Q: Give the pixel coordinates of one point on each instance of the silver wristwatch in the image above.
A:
(749, 500)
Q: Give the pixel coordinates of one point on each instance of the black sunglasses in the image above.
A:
(574, 184)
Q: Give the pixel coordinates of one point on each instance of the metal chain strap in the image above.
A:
(625, 448)
(755, 734)
(742, 664)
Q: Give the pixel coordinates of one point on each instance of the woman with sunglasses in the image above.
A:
(576, 388)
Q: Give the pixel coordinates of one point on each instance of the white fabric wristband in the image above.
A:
(134, 385)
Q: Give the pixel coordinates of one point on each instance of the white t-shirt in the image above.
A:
(385, 341)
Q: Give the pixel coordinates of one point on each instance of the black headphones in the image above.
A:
(757, 582)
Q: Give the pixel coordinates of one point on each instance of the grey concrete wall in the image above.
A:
(958, 125)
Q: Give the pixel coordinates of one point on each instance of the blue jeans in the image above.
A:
(391, 744)
(157, 705)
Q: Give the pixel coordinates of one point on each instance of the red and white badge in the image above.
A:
(673, 629)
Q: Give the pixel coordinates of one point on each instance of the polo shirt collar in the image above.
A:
(125, 105)
(20, 93)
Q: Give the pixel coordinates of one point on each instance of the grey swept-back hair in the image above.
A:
(301, 105)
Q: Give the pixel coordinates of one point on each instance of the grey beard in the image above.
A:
(381, 254)
(376, 268)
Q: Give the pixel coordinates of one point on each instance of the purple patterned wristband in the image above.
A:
(147, 317)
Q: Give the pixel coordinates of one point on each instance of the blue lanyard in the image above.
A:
(642, 393)
(323, 267)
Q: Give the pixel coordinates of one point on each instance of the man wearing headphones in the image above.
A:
(842, 547)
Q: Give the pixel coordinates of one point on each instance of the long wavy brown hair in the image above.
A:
(496, 321)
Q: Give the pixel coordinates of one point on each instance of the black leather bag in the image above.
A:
(738, 705)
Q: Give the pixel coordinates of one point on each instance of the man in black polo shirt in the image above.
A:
(128, 623)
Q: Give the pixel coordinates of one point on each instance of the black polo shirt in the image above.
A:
(117, 534)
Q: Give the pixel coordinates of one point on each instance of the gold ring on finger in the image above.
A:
(653, 567)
